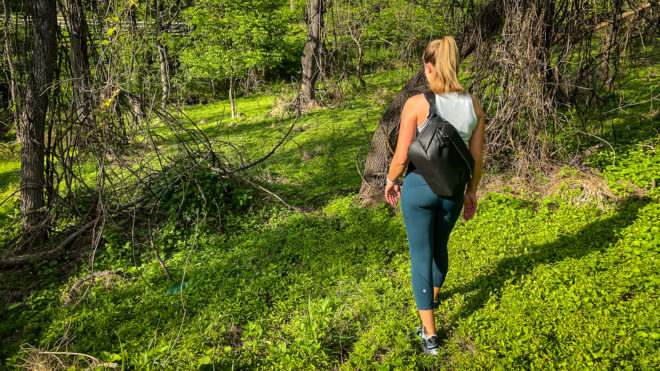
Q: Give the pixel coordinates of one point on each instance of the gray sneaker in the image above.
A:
(431, 344)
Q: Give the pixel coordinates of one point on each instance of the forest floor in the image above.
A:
(556, 271)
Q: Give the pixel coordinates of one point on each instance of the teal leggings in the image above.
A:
(429, 220)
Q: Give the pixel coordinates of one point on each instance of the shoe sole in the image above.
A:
(431, 352)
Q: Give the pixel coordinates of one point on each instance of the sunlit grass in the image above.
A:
(532, 283)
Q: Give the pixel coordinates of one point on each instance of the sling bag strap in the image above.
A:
(459, 145)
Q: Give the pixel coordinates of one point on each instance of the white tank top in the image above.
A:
(458, 110)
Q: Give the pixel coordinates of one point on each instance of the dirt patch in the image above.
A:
(234, 337)
(590, 186)
(284, 103)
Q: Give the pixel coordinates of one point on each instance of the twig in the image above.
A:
(357, 167)
(10, 196)
(603, 140)
(95, 362)
(183, 277)
(155, 251)
(244, 167)
(137, 268)
(291, 207)
(387, 141)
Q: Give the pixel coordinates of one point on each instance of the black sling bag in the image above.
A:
(440, 155)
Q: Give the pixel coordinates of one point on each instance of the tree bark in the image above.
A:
(33, 117)
(484, 24)
(164, 74)
(74, 14)
(163, 55)
(135, 72)
(380, 155)
(13, 85)
(232, 104)
(310, 62)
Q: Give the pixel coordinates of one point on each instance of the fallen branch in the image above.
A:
(13, 261)
(623, 16)
(24, 259)
(264, 189)
(36, 360)
(604, 141)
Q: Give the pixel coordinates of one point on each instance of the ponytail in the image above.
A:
(443, 55)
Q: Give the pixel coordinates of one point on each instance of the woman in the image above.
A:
(429, 218)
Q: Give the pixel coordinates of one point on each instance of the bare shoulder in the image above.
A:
(417, 103)
(418, 99)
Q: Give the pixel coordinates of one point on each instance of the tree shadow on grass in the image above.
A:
(596, 236)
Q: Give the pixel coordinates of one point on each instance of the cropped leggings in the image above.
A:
(429, 220)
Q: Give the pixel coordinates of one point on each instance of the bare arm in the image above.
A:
(410, 116)
(476, 147)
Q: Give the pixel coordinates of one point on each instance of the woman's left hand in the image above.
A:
(392, 193)
(469, 205)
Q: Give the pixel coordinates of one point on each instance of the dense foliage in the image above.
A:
(231, 39)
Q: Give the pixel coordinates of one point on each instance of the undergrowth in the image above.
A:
(536, 281)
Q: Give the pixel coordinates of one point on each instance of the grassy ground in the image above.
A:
(560, 281)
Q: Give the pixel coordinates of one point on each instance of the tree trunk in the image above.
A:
(379, 155)
(360, 72)
(232, 104)
(164, 74)
(13, 85)
(358, 67)
(136, 71)
(310, 65)
(33, 117)
(483, 25)
(74, 14)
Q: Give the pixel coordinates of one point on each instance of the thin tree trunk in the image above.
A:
(13, 86)
(74, 14)
(135, 71)
(483, 25)
(310, 65)
(358, 67)
(548, 36)
(33, 117)
(164, 74)
(360, 72)
(232, 104)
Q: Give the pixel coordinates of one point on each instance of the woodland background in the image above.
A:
(198, 184)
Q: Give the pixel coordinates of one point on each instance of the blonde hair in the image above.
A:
(443, 55)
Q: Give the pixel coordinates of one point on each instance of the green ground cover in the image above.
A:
(556, 282)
